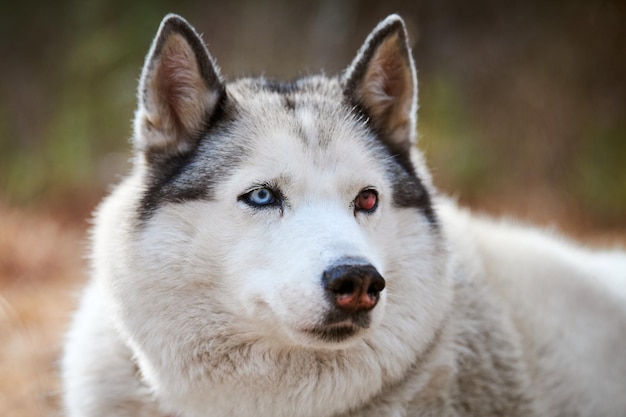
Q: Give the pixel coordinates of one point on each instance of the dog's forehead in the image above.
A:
(306, 89)
(311, 113)
(302, 135)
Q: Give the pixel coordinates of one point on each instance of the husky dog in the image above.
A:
(279, 250)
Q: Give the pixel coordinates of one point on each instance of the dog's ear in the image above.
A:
(382, 82)
(180, 88)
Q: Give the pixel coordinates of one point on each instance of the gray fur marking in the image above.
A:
(192, 176)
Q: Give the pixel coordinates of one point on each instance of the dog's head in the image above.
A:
(291, 214)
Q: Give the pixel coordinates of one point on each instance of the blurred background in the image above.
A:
(522, 113)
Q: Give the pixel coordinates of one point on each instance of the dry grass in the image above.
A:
(40, 268)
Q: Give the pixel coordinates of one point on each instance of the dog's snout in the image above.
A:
(353, 288)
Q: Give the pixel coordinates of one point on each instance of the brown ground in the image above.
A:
(41, 269)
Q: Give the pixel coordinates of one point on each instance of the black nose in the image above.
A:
(353, 288)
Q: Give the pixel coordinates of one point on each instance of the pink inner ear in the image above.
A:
(388, 76)
(387, 88)
(181, 94)
(178, 80)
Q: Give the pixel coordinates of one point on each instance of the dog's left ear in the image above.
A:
(381, 81)
(180, 88)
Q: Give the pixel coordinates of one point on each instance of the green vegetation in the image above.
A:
(527, 96)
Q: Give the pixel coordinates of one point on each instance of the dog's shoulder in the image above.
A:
(564, 303)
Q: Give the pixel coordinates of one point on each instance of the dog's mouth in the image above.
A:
(340, 327)
(334, 333)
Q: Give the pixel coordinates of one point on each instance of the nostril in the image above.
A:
(353, 288)
(376, 285)
(345, 288)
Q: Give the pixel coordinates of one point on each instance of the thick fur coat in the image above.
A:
(279, 250)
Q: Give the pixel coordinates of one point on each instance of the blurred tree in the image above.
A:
(520, 100)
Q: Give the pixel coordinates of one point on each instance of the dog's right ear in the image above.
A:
(180, 88)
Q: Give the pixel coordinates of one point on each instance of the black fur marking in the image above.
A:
(286, 89)
(280, 87)
(290, 103)
(162, 173)
(179, 177)
(408, 189)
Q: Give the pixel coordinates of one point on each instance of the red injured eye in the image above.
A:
(367, 200)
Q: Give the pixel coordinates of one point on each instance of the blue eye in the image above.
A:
(260, 197)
